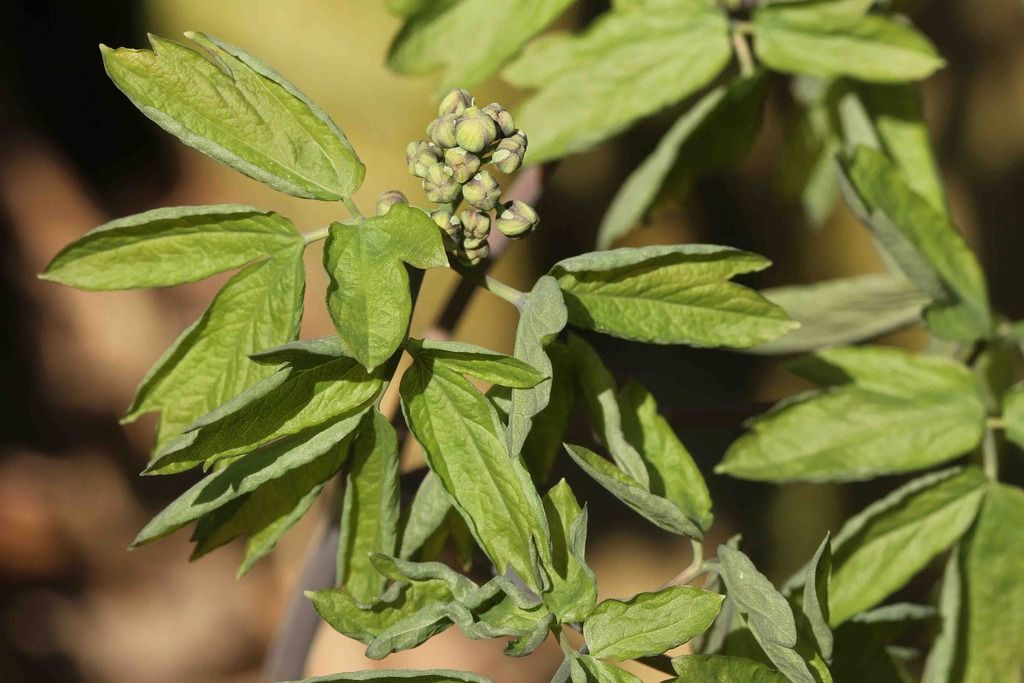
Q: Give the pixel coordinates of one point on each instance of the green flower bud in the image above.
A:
(508, 157)
(464, 164)
(448, 222)
(455, 102)
(441, 131)
(419, 156)
(388, 199)
(475, 130)
(472, 256)
(475, 226)
(440, 186)
(482, 192)
(501, 117)
(517, 220)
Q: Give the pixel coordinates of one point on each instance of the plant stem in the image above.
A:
(315, 235)
(506, 292)
(742, 49)
(996, 423)
(695, 568)
(990, 454)
(353, 209)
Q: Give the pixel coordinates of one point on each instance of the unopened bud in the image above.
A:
(518, 219)
(388, 199)
(508, 157)
(501, 117)
(475, 130)
(419, 156)
(464, 164)
(476, 226)
(448, 222)
(482, 192)
(455, 102)
(440, 186)
(441, 131)
(472, 256)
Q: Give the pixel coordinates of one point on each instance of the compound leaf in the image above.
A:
(724, 669)
(479, 362)
(573, 591)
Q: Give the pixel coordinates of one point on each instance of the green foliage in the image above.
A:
(272, 420)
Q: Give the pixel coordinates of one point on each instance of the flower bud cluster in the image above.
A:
(461, 140)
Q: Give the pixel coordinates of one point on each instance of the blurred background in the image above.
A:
(74, 153)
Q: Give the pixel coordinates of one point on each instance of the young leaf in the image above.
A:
(544, 442)
(766, 612)
(890, 412)
(862, 643)
(573, 591)
(659, 511)
(166, 247)
(468, 39)
(596, 387)
(715, 133)
(650, 623)
(240, 112)
(265, 514)
(369, 510)
(427, 513)
(1013, 414)
(815, 602)
(806, 38)
(923, 242)
(289, 401)
(259, 308)
(990, 647)
(477, 361)
(942, 658)
(246, 474)
(724, 669)
(879, 550)
(673, 473)
(464, 444)
(368, 296)
(396, 675)
(670, 295)
(843, 311)
(543, 316)
(631, 62)
(596, 671)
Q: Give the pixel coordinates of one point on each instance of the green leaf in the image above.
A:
(543, 316)
(716, 133)
(396, 675)
(259, 308)
(670, 295)
(806, 38)
(890, 411)
(250, 472)
(464, 444)
(815, 597)
(170, 246)
(990, 647)
(894, 113)
(368, 296)
(862, 643)
(596, 387)
(724, 669)
(1013, 414)
(673, 473)
(843, 311)
(602, 672)
(923, 242)
(650, 623)
(544, 442)
(427, 513)
(468, 39)
(265, 514)
(370, 508)
(766, 612)
(631, 62)
(289, 401)
(477, 361)
(942, 658)
(659, 511)
(240, 112)
(879, 550)
(573, 591)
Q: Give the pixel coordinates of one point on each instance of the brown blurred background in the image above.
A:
(75, 606)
